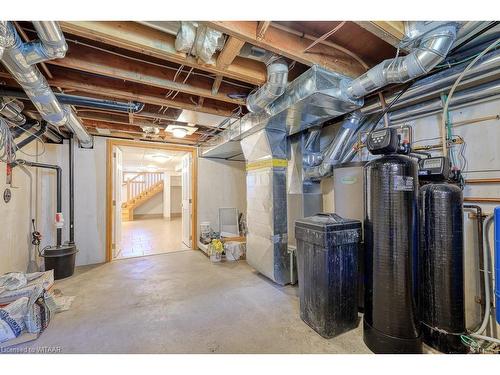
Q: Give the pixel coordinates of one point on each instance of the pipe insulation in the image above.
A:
(431, 50)
(36, 86)
(277, 79)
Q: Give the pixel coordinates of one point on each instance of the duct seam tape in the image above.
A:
(270, 163)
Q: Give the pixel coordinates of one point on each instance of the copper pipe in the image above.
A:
(482, 200)
(476, 120)
(482, 181)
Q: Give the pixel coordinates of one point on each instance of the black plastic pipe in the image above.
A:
(33, 136)
(58, 187)
(71, 193)
(20, 129)
(479, 217)
(84, 101)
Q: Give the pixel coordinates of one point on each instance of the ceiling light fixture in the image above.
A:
(179, 132)
(161, 158)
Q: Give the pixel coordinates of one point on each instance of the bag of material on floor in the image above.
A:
(15, 285)
(12, 319)
(234, 250)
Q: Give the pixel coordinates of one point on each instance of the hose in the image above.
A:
(444, 117)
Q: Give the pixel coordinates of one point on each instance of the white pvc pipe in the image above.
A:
(486, 250)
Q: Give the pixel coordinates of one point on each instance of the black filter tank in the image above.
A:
(391, 323)
(441, 304)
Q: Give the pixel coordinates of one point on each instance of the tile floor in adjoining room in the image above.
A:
(151, 236)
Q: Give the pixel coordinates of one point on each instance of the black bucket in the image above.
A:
(61, 259)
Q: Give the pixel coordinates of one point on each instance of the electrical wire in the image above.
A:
(153, 63)
(390, 105)
(37, 138)
(444, 117)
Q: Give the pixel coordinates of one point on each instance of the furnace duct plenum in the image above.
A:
(277, 79)
(433, 47)
(17, 59)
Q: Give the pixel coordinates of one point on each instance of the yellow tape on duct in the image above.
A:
(270, 163)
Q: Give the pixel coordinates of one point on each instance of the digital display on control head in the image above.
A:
(379, 133)
(433, 163)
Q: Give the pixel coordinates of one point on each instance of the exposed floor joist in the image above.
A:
(390, 31)
(291, 46)
(143, 39)
(225, 59)
(89, 60)
(130, 91)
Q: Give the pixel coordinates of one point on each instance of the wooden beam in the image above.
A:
(262, 27)
(216, 84)
(390, 31)
(130, 91)
(291, 46)
(231, 50)
(143, 39)
(89, 60)
(132, 128)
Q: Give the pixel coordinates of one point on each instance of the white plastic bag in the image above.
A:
(12, 319)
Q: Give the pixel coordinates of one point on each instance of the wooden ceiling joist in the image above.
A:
(225, 59)
(262, 27)
(119, 90)
(291, 46)
(390, 31)
(143, 39)
(89, 60)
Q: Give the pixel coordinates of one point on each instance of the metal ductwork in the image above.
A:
(311, 99)
(433, 46)
(34, 83)
(334, 151)
(50, 46)
(267, 251)
(277, 79)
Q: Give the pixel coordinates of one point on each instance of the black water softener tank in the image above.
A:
(391, 323)
(441, 258)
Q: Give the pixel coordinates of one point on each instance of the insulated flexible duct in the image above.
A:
(35, 85)
(277, 79)
(431, 50)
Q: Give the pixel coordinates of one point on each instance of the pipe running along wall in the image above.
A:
(17, 59)
(431, 50)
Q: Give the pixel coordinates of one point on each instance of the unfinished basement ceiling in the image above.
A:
(127, 61)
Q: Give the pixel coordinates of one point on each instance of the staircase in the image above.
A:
(140, 189)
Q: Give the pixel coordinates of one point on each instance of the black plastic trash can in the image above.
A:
(327, 260)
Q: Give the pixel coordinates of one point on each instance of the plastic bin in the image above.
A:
(327, 260)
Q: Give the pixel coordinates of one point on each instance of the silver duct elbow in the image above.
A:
(333, 152)
(51, 45)
(36, 86)
(431, 50)
(277, 79)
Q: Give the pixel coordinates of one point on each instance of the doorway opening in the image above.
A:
(151, 190)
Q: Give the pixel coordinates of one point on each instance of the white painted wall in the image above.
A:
(154, 206)
(221, 183)
(175, 200)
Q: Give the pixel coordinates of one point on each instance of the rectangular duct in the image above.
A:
(311, 99)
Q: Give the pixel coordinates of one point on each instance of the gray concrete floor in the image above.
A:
(181, 303)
